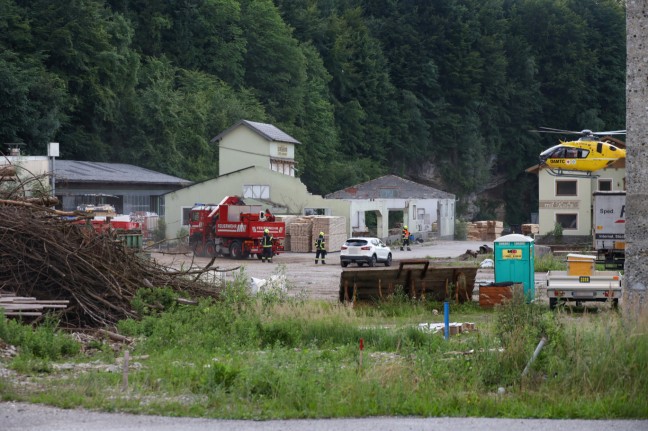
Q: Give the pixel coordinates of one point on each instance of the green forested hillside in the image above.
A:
(440, 91)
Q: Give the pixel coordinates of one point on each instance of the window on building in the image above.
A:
(605, 185)
(186, 211)
(566, 188)
(567, 221)
(256, 191)
(388, 193)
(317, 211)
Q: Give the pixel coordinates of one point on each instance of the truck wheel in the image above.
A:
(552, 303)
(210, 249)
(198, 249)
(236, 250)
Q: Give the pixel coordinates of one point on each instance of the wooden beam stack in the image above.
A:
(334, 229)
(487, 230)
(301, 235)
(27, 306)
(301, 232)
(530, 229)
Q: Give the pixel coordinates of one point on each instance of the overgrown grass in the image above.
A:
(549, 262)
(276, 356)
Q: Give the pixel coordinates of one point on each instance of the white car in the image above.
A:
(363, 250)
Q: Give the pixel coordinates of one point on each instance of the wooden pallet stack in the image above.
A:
(334, 229)
(27, 306)
(530, 229)
(486, 230)
(301, 235)
(288, 220)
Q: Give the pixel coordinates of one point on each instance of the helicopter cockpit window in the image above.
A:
(559, 153)
(571, 153)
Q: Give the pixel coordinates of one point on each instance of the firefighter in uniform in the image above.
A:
(405, 236)
(266, 243)
(320, 249)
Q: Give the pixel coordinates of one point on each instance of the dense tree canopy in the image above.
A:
(368, 86)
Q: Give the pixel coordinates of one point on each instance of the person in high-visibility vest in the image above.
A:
(406, 238)
(266, 243)
(320, 249)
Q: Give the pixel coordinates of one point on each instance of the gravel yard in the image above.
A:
(322, 281)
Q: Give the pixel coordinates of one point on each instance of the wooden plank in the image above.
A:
(23, 313)
(21, 306)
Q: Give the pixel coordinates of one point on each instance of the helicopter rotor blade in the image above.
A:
(585, 132)
(611, 132)
(553, 130)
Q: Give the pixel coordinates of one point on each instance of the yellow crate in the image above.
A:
(580, 264)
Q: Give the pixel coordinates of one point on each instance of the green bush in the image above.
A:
(461, 230)
(154, 300)
(44, 341)
(519, 328)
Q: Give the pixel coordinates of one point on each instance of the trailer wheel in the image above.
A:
(236, 250)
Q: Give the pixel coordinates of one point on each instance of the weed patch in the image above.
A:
(245, 356)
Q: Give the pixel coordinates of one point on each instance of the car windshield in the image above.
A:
(356, 242)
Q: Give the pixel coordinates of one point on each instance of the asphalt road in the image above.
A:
(34, 417)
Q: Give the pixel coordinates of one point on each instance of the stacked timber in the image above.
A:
(301, 235)
(530, 229)
(302, 231)
(487, 230)
(334, 229)
(27, 306)
(288, 220)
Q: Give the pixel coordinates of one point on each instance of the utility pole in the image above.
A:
(635, 282)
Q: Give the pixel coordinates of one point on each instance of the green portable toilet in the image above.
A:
(514, 261)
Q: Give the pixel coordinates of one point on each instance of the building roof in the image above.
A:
(268, 131)
(405, 189)
(97, 172)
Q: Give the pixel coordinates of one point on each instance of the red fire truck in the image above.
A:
(233, 228)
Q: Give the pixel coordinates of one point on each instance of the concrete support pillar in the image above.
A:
(635, 300)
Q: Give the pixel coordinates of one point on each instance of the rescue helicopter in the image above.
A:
(579, 158)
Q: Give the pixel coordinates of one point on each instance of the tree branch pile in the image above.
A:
(46, 256)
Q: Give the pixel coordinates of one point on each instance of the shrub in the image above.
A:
(519, 329)
(461, 230)
(43, 342)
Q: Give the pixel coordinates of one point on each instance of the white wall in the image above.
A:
(418, 214)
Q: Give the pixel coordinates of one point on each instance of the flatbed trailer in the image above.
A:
(600, 286)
